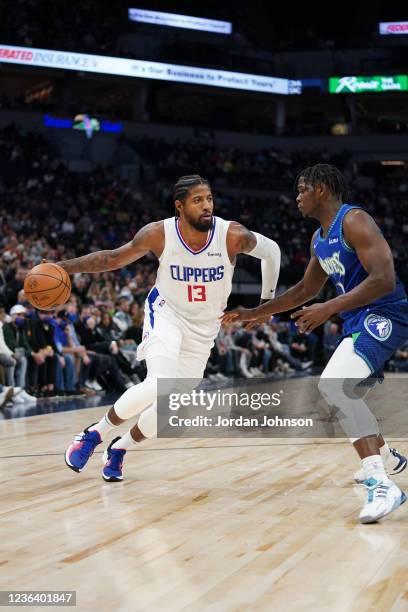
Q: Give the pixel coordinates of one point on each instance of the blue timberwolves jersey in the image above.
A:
(341, 264)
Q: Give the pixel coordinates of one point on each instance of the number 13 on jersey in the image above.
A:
(196, 293)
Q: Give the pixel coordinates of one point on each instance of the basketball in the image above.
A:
(47, 285)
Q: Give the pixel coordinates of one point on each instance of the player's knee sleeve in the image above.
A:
(147, 422)
(137, 398)
(353, 414)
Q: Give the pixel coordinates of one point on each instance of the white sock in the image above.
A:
(125, 442)
(103, 427)
(385, 451)
(373, 467)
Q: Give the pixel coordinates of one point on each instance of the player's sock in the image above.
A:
(373, 467)
(125, 442)
(103, 427)
(385, 451)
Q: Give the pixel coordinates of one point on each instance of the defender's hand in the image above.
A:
(260, 321)
(311, 317)
(238, 315)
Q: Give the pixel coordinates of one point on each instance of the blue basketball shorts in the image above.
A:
(377, 332)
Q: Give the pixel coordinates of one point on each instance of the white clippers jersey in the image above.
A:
(196, 285)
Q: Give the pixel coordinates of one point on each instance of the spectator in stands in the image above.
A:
(108, 329)
(122, 317)
(6, 354)
(224, 344)
(74, 357)
(94, 292)
(331, 340)
(282, 350)
(41, 334)
(107, 293)
(16, 339)
(300, 348)
(15, 281)
(80, 288)
(263, 350)
(399, 361)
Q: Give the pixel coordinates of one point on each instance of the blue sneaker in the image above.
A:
(113, 462)
(399, 463)
(83, 446)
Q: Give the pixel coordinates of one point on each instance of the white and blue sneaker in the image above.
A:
(394, 464)
(82, 448)
(383, 498)
(112, 459)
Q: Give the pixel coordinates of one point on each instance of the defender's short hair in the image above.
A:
(325, 174)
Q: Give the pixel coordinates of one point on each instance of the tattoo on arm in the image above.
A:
(248, 240)
(146, 239)
(241, 240)
(100, 261)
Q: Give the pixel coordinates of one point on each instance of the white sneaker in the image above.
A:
(18, 399)
(6, 395)
(220, 376)
(94, 385)
(383, 497)
(246, 373)
(27, 397)
(395, 463)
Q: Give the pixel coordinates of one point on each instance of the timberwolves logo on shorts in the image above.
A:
(379, 327)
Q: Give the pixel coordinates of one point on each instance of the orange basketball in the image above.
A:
(47, 285)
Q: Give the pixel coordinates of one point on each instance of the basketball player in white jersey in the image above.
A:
(197, 253)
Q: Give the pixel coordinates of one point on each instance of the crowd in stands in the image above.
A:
(50, 212)
(77, 350)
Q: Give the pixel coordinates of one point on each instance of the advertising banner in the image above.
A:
(180, 21)
(102, 64)
(393, 27)
(363, 84)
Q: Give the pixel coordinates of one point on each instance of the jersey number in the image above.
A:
(196, 293)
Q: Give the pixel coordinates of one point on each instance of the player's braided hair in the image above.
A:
(325, 174)
(184, 184)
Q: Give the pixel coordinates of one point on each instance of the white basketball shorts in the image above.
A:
(165, 334)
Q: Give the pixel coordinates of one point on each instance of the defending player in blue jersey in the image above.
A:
(349, 249)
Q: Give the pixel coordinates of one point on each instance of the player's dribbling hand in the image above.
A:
(238, 315)
(310, 317)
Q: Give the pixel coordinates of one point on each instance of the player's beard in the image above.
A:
(200, 225)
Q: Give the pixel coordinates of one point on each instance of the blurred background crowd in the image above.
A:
(66, 192)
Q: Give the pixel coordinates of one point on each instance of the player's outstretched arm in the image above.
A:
(148, 238)
(302, 292)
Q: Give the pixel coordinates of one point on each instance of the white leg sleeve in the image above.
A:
(337, 383)
(147, 422)
(137, 398)
(189, 372)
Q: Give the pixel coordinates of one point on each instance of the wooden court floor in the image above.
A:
(235, 525)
